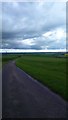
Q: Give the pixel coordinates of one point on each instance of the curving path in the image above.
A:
(24, 97)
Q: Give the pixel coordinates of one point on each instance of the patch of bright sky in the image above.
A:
(26, 42)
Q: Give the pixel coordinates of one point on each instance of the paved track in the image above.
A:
(24, 97)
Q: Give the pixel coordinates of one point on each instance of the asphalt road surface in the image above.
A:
(24, 97)
(0, 93)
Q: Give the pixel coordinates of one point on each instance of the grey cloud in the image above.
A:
(28, 20)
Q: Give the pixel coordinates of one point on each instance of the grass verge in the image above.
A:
(49, 70)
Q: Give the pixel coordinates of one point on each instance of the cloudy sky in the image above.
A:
(34, 25)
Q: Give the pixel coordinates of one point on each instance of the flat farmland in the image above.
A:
(48, 69)
(8, 57)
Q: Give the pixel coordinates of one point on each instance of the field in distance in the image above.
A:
(49, 69)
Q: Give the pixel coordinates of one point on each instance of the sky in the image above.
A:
(34, 25)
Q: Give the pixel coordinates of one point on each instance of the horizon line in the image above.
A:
(30, 50)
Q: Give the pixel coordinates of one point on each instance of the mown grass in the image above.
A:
(49, 70)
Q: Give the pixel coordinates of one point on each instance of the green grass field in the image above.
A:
(9, 57)
(50, 70)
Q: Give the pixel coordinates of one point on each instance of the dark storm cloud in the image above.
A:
(29, 20)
